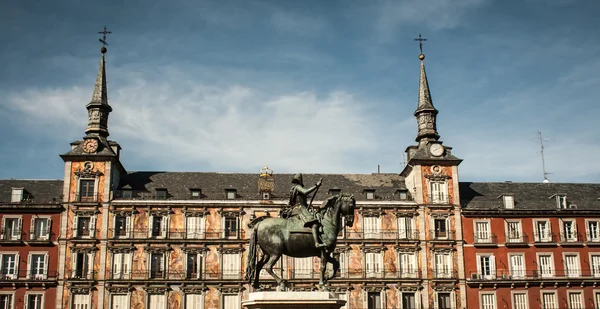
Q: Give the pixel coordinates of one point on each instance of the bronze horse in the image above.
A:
(278, 236)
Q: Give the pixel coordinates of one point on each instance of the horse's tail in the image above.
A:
(251, 259)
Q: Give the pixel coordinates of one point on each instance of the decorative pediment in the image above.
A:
(80, 249)
(309, 288)
(373, 288)
(377, 249)
(194, 250)
(440, 214)
(165, 212)
(80, 289)
(444, 287)
(232, 289)
(342, 248)
(121, 249)
(231, 213)
(123, 212)
(194, 289)
(87, 171)
(408, 288)
(195, 212)
(439, 177)
(371, 212)
(405, 213)
(444, 249)
(159, 250)
(85, 212)
(157, 289)
(230, 250)
(408, 248)
(120, 289)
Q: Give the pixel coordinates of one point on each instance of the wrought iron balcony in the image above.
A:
(82, 274)
(387, 234)
(516, 239)
(445, 274)
(40, 235)
(536, 274)
(545, 238)
(442, 235)
(86, 197)
(485, 240)
(10, 235)
(571, 238)
(28, 275)
(175, 234)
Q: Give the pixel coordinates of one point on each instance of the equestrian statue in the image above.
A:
(299, 232)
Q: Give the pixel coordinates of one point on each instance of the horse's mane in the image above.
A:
(330, 202)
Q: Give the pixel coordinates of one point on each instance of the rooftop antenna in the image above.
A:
(403, 162)
(541, 140)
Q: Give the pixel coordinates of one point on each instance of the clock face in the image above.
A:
(436, 150)
(90, 145)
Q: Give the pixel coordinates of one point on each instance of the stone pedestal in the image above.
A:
(293, 300)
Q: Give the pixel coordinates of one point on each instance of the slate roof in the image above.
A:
(213, 185)
(528, 196)
(41, 191)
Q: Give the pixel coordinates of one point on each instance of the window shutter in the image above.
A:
(202, 226)
(150, 225)
(32, 234)
(127, 225)
(46, 257)
(73, 265)
(26, 306)
(29, 266)
(402, 228)
(2, 232)
(90, 265)
(18, 232)
(493, 266)
(117, 262)
(16, 275)
(164, 226)
(75, 225)
(92, 226)
(48, 228)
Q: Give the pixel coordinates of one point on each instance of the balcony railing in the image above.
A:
(174, 275)
(571, 238)
(439, 199)
(593, 238)
(23, 274)
(390, 234)
(445, 274)
(534, 274)
(485, 239)
(174, 234)
(83, 233)
(512, 239)
(40, 235)
(86, 197)
(442, 235)
(546, 238)
(10, 234)
(82, 274)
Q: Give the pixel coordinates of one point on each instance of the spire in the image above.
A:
(425, 113)
(98, 108)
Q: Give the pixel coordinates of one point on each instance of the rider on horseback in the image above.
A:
(299, 196)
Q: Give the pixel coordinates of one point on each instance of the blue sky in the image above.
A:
(310, 86)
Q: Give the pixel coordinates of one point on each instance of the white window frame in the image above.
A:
(29, 294)
(15, 232)
(595, 264)
(452, 297)
(444, 269)
(569, 236)
(44, 274)
(517, 272)
(488, 274)
(382, 300)
(581, 301)
(514, 236)
(542, 299)
(373, 264)
(408, 265)
(164, 226)
(199, 264)
(483, 231)
(127, 301)
(17, 195)
(561, 201)
(194, 305)
(235, 235)
(438, 192)
(372, 227)
(417, 296)
(596, 294)
(85, 304)
(15, 273)
(513, 299)
(162, 266)
(593, 235)
(237, 302)
(370, 194)
(230, 194)
(550, 270)
(231, 269)
(90, 267)
(574, 270)
(195, 227)
(509, 201)
(490, 296)
(91, 227)
(128, 226)
(406, 227)
(546, 236)
(164, 301)
(435, 232)
(121, 265)
(43, 235)
(303, 267)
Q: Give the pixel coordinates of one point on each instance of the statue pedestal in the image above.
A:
(293, 300)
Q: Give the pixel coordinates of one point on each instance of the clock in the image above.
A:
(90, 145)
(436, 150)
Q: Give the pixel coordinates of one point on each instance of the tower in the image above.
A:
(92, 173)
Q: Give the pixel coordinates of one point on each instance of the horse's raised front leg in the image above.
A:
(269, 268)
(336, 265)
(259, 265)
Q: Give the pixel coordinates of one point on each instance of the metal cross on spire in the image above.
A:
(420, 40)
(103, 39)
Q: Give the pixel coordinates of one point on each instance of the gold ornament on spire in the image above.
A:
(266, 182)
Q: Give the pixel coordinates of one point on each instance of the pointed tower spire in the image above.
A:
(425, 113)
(98, 108)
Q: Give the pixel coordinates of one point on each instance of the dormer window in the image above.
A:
(509, 201)
(17, 195)
(196, 194)
(126, 194)
(230, 194)
(334, 191)
(266, 195)
(403, 195)
(161, 194)
(561, 201)
(370, 194)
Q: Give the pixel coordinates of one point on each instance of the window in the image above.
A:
(87, 190)
(194, 301)
(542, 231)
(6, 301)
(486, 265)
(595, 265)
(441, 228)
(514, 234)
(575, 300)
(443, 301)
(549, 300)
(161, 194)
(439, 192)
(158, 226)
(342, 258)
(374, 300)
(231, 194)
(231, 267)
(561, 201)
(573, 270)
(231, 227)
(119, 301)
(121, 265)
(370, 194)
(196, 194)
(346, 297)
(409, 300)
(403, 195)
(40, 229)
(266, 195)
(509, 201)
(157, 265)
(10, 266)
(193, 266)
(157, 301)
(405, 228)
(520, 300)
(122, 224)
(408, 265)
(517, 266)
(230, 301)
(569, 231)
(482, 232)
(38, 266)
(334, 191)
(34, 301)
(593, 231)
(81, 301)
(127, 194)
(372, 227)
(373, 264)
(11, 228)
(546, 265)
(303, 267)
(85, 227)
(443, 264)
(82, 265)
(195, 227)
(17, 195)
(488, 301)
(597, 300)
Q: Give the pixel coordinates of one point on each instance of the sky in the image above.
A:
(304, 86)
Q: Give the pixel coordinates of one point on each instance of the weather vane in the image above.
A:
(420, 40)
(103, 39)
